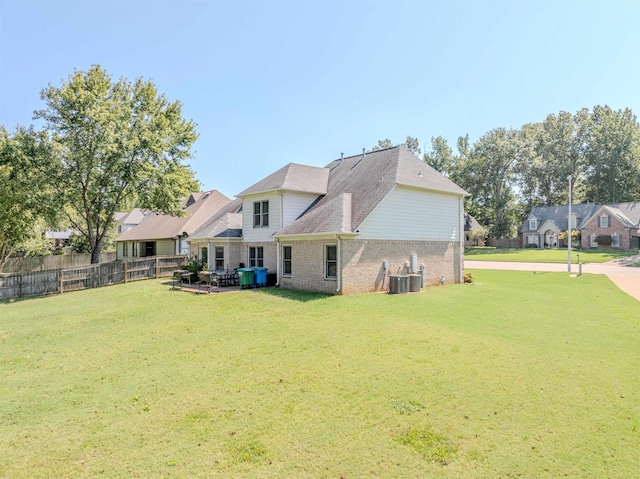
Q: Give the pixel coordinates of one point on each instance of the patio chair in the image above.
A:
(210, 279)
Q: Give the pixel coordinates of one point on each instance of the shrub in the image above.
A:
(194, 266)
(603, 240)
(531, 246)
(468, 277)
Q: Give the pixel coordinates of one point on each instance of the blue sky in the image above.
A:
(270, 83)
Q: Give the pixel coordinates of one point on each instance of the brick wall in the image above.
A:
(616, 227)
(362, 264)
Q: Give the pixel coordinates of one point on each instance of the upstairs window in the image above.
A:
(260, 214)
(573, 222)
(604, 221)
(533, 224)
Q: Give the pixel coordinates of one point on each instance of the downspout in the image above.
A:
(277, 262)
(461, 236)
(338, 266)
(209, 256)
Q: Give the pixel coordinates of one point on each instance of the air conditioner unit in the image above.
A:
(398, 284)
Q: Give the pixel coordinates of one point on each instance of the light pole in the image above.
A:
(569, 229)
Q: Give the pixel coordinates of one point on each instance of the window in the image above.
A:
(531, 239)
(134, 249)
(592, 241)
(218, 253)
(603, 221)
(615, 240)
(573, 222)
(331, 261)
(256, 257)
(204, 255)
(260, 214)
(286, 260)
(125, 249)
(533, 224)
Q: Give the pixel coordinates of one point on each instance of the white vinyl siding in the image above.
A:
(251, 234)
(410, 214)
(294, 204)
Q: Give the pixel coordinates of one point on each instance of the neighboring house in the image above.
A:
(127, 220)
(59, 239)
(471, 229)
(166, 235)
(346, 227)
(619, 222)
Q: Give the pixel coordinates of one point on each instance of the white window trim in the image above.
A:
(532, 239)
(290, 260)
(326, 262)
(257, 259)
(215, 258)
(573, 222)
(592, 241)
(533, 224)
(616, 243)
(261, 215)
(600, 221)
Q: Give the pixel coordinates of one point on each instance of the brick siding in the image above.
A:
(616, 227)
(362, 264)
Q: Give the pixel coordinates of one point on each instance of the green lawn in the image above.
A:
(527, 255)
(519, 375)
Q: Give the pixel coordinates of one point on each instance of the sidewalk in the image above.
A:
(626, 278)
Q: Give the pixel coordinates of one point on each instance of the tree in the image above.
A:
(114, 142)
(413, 145)
(382, 144)
(612, 156)
(22, 190)
(487, 172)
(440, 157)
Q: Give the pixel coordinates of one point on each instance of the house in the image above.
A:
(127, 220)
(474, 233)
(617, 224)
(166, 235)
(346, 227)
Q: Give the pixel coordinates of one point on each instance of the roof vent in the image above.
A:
(420, 174)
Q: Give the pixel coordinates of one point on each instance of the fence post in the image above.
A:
(19, 285)
(124, 270)
(157, 268)
(61, 280)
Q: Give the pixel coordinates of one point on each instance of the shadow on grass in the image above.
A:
(294, 295)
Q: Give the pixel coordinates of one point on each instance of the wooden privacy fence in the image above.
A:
(34, 283)
(46, 263)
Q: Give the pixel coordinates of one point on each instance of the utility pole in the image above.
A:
(569, 237)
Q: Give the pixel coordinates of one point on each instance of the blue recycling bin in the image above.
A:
(260, 276)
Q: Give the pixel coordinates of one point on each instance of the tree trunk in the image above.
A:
(96, 249)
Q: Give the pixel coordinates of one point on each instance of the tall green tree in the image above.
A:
(114, 141)
(612, 156)
(440, 157)
(23, 192)
(487, 172)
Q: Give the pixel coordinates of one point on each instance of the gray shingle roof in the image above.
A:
(368, 179)
(627, 213)
(155, 226)
(332, 217)
(226, 223)
(292, 177)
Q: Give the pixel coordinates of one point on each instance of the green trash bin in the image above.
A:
(245, 277)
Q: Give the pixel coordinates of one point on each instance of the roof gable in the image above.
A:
(292, 177)
(157, 226)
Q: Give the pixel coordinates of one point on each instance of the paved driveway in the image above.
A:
(625, 277)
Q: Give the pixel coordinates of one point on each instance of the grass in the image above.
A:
(519, 375)
(528, 255)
